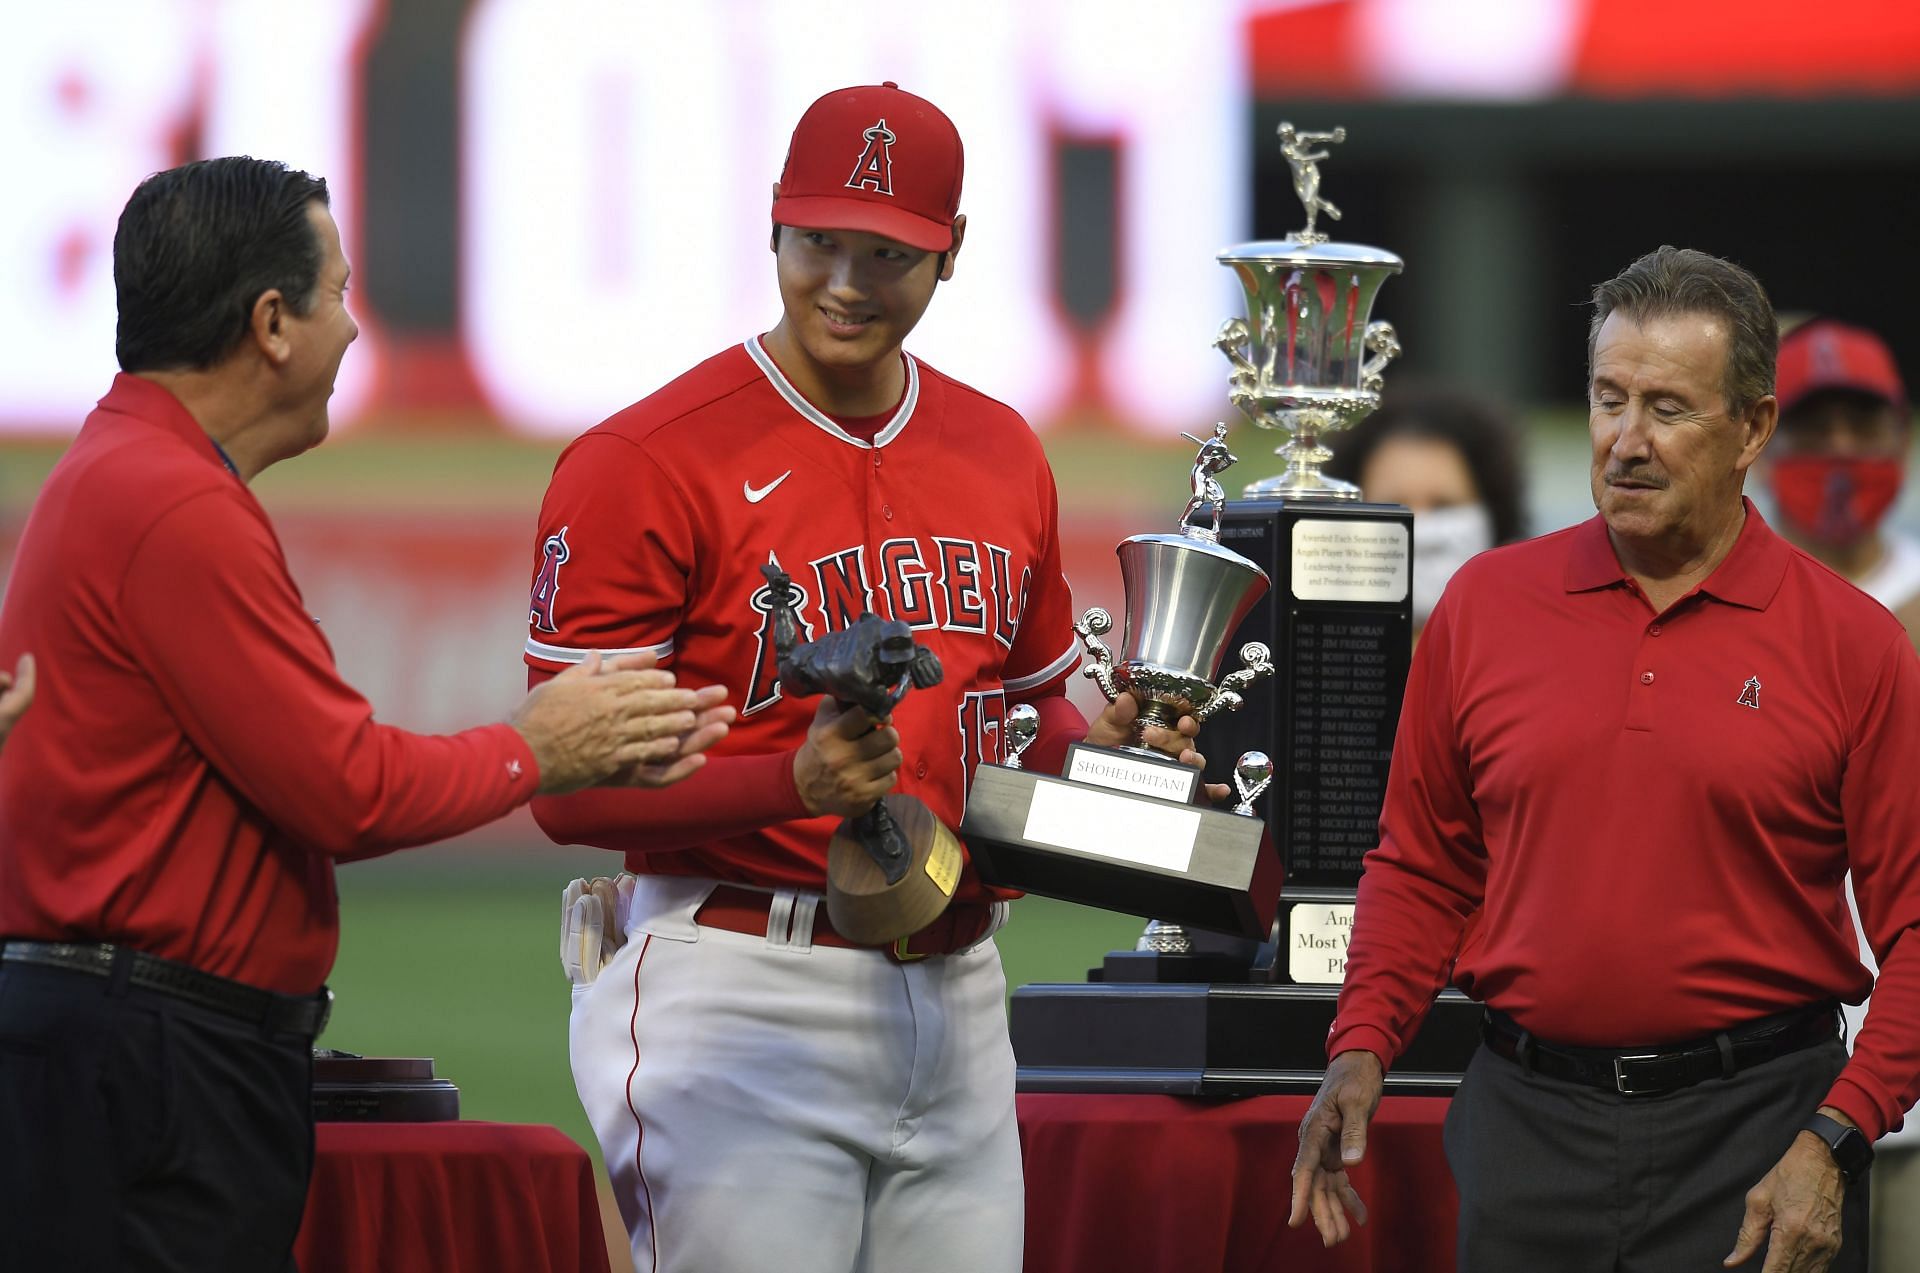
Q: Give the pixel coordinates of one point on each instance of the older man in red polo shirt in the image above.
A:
(1637, 759)
(171, 809)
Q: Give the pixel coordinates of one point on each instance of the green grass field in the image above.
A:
(457, 957)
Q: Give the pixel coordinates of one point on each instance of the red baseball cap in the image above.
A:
(873, 159)
(1824, 354)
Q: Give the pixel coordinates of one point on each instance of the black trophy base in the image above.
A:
(1222, 878)
(380, 1089)
(1219, 1039)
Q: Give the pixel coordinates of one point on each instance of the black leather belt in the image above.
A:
(274, 1013)
(1670, 1067)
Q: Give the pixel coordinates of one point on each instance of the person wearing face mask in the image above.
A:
(1834, 470)
(1841, 459)
(1453, 459)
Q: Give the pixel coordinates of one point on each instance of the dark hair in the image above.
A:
(1481, 431)
(196, 247)
(1670, 280)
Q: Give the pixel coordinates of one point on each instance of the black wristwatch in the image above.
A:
(1847, 1144)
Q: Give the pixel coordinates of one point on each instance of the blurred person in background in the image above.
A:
(1837, 464)
(172, 808)
(16, 694)
(1451, 457)
(1835, 469)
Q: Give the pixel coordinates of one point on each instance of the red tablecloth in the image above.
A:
(452, 1197)
(1163, 1184)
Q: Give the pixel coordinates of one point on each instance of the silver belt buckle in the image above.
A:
(1620, 1083)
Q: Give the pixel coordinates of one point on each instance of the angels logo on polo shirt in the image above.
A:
(1750, 693)
(875, 169)
(546, 584)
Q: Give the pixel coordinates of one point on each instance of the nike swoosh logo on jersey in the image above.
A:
(755, 496)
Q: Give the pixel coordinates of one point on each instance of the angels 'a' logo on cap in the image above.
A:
(1826, 358)
(1750, 693)
(875, 169)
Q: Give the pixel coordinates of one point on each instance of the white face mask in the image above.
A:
(1443, 540)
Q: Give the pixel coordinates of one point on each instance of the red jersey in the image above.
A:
(652, 537)
(1625, 828)
(192, 763)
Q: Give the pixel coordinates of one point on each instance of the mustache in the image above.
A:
(1616, 475)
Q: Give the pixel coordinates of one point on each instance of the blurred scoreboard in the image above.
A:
(608, 166)
(615, 167)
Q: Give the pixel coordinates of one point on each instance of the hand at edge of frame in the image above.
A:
(1333, 1139)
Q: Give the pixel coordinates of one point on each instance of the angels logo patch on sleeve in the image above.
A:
(546, 584)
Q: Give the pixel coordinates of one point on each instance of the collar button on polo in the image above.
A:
(1654, 630)
(1646, 678)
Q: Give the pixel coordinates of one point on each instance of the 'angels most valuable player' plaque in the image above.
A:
(1119, 829)
(1307, 362)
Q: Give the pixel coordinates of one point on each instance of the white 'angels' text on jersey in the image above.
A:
(932, 584)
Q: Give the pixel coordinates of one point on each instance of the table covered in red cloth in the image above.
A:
(454, 1197)
(1165, 1184)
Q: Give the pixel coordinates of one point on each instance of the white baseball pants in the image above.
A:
(770, 1105)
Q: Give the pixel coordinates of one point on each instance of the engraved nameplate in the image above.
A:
(1349, 560)
(1317, 934)
(1140, 775)
(1087, 820)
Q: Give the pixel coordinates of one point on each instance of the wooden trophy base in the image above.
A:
(863, 906)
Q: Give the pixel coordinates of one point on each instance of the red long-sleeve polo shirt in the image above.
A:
(192, 763)
(1623, 827)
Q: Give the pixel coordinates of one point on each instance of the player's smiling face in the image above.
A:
(850, 298)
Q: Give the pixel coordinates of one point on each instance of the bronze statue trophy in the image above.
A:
(892, 869)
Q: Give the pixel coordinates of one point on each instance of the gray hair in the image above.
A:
(1669, 281)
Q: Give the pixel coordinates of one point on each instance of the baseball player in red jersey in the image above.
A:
(767, 1094)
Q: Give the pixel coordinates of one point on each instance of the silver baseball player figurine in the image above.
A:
(1213, 459)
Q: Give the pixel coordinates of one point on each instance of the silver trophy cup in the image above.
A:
(1186, 595)
(1306, 359)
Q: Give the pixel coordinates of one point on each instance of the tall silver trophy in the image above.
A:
(1307, 362)
(1118, 828)
(1307, 358)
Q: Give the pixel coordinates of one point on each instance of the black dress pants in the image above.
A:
(139, 1132)
(1556, 1175)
